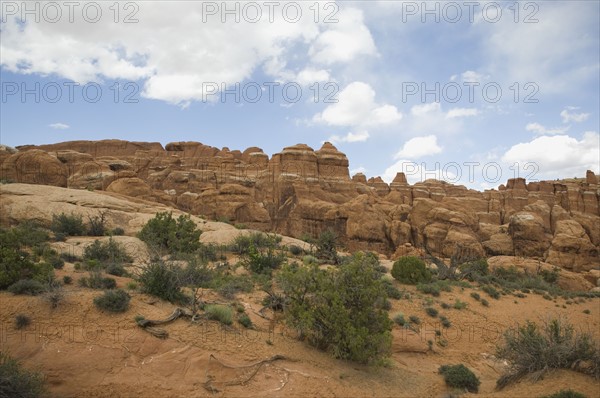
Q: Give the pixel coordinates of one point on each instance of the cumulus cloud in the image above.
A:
(418, 147)
(350, 137)
(356, 106)
(59, 126)
(559, 155)
(461, 112)
(310, 75)
(175, 49)
(539, 129)
(573, 117)
(347, 39)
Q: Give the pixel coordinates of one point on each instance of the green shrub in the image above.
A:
(445, 322)
(566, 394)
(327, 247)
(18, 382)
(391, 290)
(459, 376)
(336, 309)
(429, 288)
(221, 313)
(309, 260)
(445, 306)
(115, 269)
(69, 225)
(410, 270)
(399, 319)
(228, 285)
(459, 305)
(118, 231)
(485, 303)
(97, 281)
(491, 291)
(113, 300)
(69, 257)
(16, 264)
(22, 321)
(586, 311)
(432, 312)
(245, 321)
(27, 286)
(163, 281)
(414, 319)
(165, 233)
(262, 261)
(67, 280)
(97, 225)
(132, 285)
(476, 296)
(550, 276)
(296, 250)
(531, 349)
(110, 251)
(474, 270)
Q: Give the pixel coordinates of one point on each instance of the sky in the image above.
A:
(471, 92)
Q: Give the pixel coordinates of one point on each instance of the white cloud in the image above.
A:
(558, 156)
(538, 129)
(174, 53)
(471, 76)
(350, 137)
(554, 52)
(573, 117)
(347, 39)
(430, 118)
(418, 147)
(59, 126)
(356, 106)
(461, 112)
(309, 76)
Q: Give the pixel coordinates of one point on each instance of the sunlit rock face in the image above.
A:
(300, 192)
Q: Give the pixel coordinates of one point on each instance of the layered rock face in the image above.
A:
(300, 192)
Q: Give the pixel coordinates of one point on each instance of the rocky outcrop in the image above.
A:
(301, 191)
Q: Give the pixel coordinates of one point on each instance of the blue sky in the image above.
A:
(159, 68)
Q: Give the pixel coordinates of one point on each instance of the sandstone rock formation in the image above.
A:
(300, 191)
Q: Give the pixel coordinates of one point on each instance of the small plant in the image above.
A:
(432, 312)
(22, 321)
(117, 231)
(410, 270)
(55, 295)
(586, 312)
(163, 281)
(18, 382)
(97, 281)
(459, 376)
(399, 319)
(445, 306)
(476, 296)
(113, 300)
(445, 322)
(245, 321)
(68, 225)
(220, 313)
(531, 349)
(491, 291)
(414, 319)
(327, 247)
(27, 286)
(309, 260)
(566, 394)
(459, 305)
(392, 291)
(165, 233)
(97, 224)
(296, 250)
(429, 288)
(132, 285)
(485, 303)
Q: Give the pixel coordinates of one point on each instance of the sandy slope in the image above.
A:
(86, 352)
